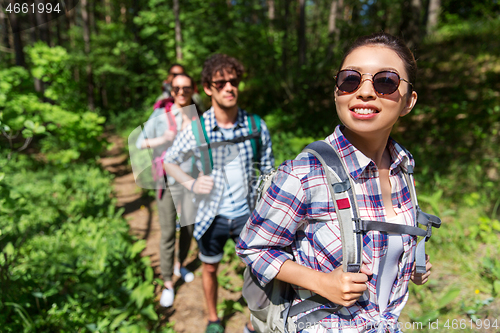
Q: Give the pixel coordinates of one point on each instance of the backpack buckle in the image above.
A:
(341, 187)
(359, 226)
(429, 232)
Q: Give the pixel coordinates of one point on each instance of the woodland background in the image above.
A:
(67, 261)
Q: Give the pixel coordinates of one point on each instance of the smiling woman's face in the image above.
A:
(183, 96)
(364, 111)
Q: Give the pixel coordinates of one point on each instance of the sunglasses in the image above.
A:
(176, 90)
(222, 83)
(384, 82)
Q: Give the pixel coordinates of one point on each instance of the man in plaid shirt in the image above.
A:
(225, 196)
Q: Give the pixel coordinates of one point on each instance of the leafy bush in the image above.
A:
(64, 129)
(67, 261)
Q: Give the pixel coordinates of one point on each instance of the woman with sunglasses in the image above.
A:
(170, 116)
(374, 87)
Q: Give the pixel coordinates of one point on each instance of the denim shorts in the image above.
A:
(211, 244)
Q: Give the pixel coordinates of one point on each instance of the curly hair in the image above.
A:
(218, 62)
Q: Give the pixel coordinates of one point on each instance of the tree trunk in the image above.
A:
(332, 18)
(5, 28)
(432, 18)
(284, 53)
(107, 11)
(92, 18)
(86, 40)
(271, 16)
(411, 22)
(32, 19)
(70, 15)
(270, 10)
(123, 13)
(18, 43)
(178, 35)
(41, 21)
(48, 18)
(57, 23)
(332, 27)
(301, 32)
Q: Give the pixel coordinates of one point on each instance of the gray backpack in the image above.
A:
(270, 306)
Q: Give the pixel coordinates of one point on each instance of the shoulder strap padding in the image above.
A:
(344, 199)
(254, 128)
(205, 148)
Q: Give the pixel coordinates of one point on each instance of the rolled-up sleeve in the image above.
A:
(272, 225)
(182, 148)
(154, 127)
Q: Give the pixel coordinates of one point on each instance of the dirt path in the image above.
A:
(188, 314)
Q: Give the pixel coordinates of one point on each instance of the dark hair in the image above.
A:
(392, 42)
(185, 75)
(175, 65)
(218, 62)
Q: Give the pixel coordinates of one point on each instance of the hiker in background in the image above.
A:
(169, 117)
(374, 87)
(173, 71)
(224, 191)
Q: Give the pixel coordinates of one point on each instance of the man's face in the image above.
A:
(174, 71)
(224, 89)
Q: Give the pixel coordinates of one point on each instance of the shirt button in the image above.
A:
(399, 204)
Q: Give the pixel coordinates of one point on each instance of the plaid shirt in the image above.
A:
(185, 143)
(297, 210)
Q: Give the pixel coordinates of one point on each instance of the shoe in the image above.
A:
(167, 298)
(184, 273)
(214, 328)
(247, 330)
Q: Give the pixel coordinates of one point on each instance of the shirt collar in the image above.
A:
(175, 111)
(209, 115)
(357, 162)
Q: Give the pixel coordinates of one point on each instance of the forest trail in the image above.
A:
(188, 314)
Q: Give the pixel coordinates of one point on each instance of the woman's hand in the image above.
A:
(419, 278)
(344, 288)
(168, 135)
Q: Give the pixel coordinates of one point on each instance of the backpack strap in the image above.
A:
(205, 149)
(342, 192)
(254, 127)
(172, 124)
(427, 220)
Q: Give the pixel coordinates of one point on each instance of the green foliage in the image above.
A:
(433, 313)
(226, 277)
(228, 307)
(62, 135)
(491, 273)
(67, 261)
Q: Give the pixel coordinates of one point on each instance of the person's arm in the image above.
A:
(168, 136)
(339, 287)
(201, 185)
(155, 132)
(184, 143)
